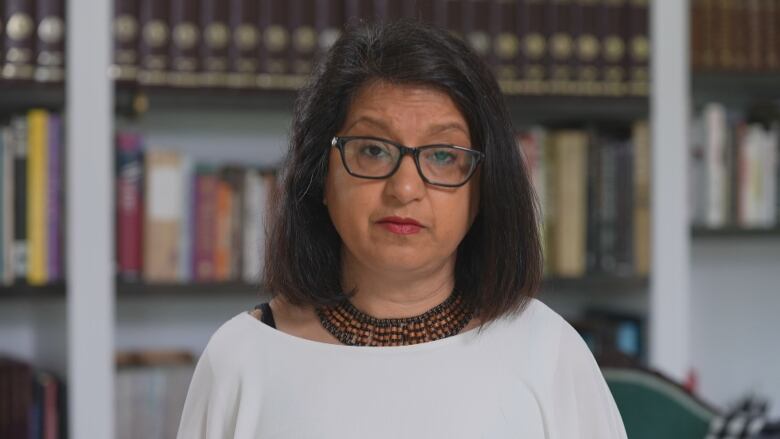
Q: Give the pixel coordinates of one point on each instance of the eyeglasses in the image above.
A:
(375, 158)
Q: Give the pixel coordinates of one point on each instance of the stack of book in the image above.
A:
(735, 35)
(734, 168)
(151, 387)
(563, 47)
(594, 191)
(32, 402)
(178, 221)
(31, 199)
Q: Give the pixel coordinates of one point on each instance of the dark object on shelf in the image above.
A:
(735, 232)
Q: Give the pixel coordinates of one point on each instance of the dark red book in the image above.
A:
(18, 56)
(359, 11)
(770, 13)
(185, 38)
(130, 215)
(50, 42)
(505, 44)
(450, 16)
(423, 10)
(560, 42)
(154, 42)
(588, 47)
(304, 36)
(126, 38)
(613, 45)
(274, 22)
(206, 180)
(242, 50)
(214, 44)
(638, 58)
(534, 28)
(477, 30)
(329, 22)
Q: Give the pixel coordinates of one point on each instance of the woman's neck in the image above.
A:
(391, 295)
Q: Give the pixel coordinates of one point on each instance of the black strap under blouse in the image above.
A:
(268, 315)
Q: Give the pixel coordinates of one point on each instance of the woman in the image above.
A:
(402, 257)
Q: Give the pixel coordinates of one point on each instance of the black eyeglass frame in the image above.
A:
(339, 141)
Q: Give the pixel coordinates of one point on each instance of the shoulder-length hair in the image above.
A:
(499, 261)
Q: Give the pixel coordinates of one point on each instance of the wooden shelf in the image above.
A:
(26, 291)
(735, 232)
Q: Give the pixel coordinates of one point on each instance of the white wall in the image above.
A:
(735, 318)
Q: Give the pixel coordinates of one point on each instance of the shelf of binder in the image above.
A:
(735, 232)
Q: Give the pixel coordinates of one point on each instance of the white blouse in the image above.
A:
(525, 376)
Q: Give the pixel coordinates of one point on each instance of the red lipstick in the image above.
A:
(400, 226)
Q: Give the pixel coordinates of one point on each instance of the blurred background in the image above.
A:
(139, 142)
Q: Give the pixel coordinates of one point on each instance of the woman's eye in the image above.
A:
(373, 151)
(443, 157)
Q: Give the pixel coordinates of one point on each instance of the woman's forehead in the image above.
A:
(386, 106)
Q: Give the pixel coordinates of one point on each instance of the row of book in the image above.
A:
(572, 47)
(734, 167)
(735, 35)
(594, 190)
(31, 199)
(151, 387)
(181, 221)
(32, 402)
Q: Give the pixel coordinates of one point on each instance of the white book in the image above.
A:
(769, 201)
(188, 218)
(255, 192)
(716, 166)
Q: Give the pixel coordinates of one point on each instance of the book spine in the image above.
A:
(304, 36)
(126, 38)
(478, 29)
(698, 47)
(592, 261)
(723, 32)
(19, 136)
(130, 178)
(214, 47)
(535, 27)
(18, 56)
(162, 216)
(50, 44)
(451, 16)
(641, 184)
(755, 32)
(37, 186)
(561, 46)
(329, 20)
(205, 227)
(55, 199)
(740, 41)
(614, 46)
(252, 245)
(638, 64)
(505, 42)
(423, 11)
(7, 177)
(571, 187)
(154, 42)
(607, 230)
(185, 35)
(222, 254)
(187, 222)
(3, 206)
(243, 47)
(359, 11)
(624, 210)
(715, 150)
(276, 43)
(770, 13)
(588, 48)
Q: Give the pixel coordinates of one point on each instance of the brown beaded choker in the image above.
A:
(353, 327)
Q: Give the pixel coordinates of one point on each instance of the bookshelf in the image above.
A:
(99, 314)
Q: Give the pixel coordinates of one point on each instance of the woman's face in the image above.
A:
(359, 208)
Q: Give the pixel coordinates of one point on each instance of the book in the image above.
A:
(534, 31)
(613, 18)
(244, 43)
(6, 207)
(570, 150)
(304, 36)
(588, 48)
(124, 67)
(130, 202)
(37, 191)
(18, 61)
(274, 18)
(50, 43)
(505, 42)
(560, 41)
(214, 44)
(19, 144)
(185, 38)
(329, 22)
(55, 200)
(205, 223)
(154, 42)
(642, 184)
(162, 216)
(638, 56)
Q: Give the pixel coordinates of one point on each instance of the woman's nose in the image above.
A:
(406, 184)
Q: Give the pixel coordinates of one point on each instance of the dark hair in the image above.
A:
(499, 261)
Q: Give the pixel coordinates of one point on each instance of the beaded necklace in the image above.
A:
(353, 327)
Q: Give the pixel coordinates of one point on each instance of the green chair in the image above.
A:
(654, 407)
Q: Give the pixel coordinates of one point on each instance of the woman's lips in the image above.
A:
(400, 226)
